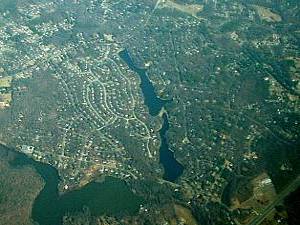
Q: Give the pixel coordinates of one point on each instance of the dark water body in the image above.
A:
(112, 197)
(172, 168)
(151, 100)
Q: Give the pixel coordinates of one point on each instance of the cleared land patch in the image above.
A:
(191, 9)
(5, 100)
(5, 82)
(266, 14)
(184, 215)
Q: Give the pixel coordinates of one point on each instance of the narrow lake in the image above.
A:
(151, 100)
(172, 168)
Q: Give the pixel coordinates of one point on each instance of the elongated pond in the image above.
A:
(172, 168)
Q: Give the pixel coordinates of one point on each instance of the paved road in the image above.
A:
(290, 188)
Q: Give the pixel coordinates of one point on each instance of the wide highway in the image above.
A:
(279, 198)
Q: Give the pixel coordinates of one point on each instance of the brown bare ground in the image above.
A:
(192, 9)
(266, 14)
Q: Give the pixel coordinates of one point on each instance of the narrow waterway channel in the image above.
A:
(172, 168)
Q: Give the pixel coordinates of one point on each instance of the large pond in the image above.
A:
(172, 168)
(111, 197)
